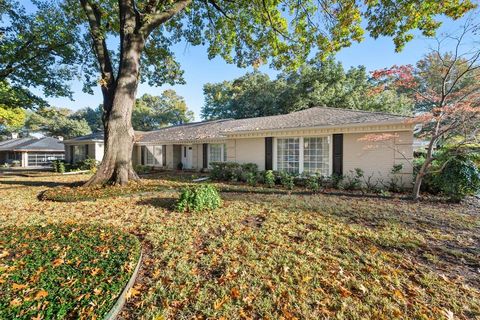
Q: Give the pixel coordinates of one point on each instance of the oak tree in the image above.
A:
(244, 32)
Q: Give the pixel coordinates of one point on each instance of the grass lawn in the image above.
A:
(280, 256)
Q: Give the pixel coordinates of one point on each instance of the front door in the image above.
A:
(187, 154)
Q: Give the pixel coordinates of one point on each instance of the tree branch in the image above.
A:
(161, 17)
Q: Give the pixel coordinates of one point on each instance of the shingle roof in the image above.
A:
(313, 117)
(32, 144)
(88, 137)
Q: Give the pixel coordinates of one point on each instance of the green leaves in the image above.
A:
(56, 271)
(154, 112)
(199, 198)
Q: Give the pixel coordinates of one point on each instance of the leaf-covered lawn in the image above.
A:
(274, 256)
(63, 271)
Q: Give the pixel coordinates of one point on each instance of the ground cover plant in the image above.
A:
(63, 271)
(273, 256)
(77, 193)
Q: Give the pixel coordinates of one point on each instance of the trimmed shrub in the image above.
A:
(312, 183)
(232, 171)
(269, 178)
(252, 179)
(88, 164)
(287, 180)
(198, 198)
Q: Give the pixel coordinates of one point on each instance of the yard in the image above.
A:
(279, 256)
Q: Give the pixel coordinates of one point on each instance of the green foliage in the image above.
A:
(154, 112)
(353, 180)
(58, 166)
(55, 271)
(57, 122)
(88, 164)
(318, 83)
(269, 178)
(395, 180)
(232, 171)
(143, 169)
(312, 183)
(93, 117)
(198, 198)
(459, 178)
(38, 49)
(251, 179)
(287, 180)
(454, 173)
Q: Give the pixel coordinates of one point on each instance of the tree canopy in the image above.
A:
(37, 50)
(56, 122)
(153, 112)
(318, 83)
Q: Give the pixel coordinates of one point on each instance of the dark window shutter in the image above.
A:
(86, 150)
(268, 153)
(164, 155)
(142, 155)
(205, 155)
(337, 154)
(72, 156)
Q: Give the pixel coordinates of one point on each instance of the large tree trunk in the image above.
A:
(116, 167)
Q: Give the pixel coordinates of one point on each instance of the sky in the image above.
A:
(199, 70)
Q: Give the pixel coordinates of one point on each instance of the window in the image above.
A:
(79, 152)
(316, 156)
(43, 159)
(288, 155)
(217, 152)
(303, 154)
(153, 155)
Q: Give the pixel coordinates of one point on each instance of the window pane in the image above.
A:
(288, 155)
(215, 153)
(316, 155)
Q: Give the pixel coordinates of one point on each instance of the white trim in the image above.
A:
(301, 150)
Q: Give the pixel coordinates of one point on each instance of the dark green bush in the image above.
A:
(459, 178)
(232, 171)
(287, 180)
(252, 179)
(312, 183)
(198, 198)
(88, 164)
(269, 178)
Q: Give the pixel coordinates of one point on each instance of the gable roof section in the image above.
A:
(96, 136)
(308, 118)
(32, 144)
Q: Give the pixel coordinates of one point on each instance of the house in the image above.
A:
(316, 140)
(81, 148)
(31, 152)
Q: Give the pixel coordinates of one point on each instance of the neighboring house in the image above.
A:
(81, 148)
(31, 152)
(316, 140)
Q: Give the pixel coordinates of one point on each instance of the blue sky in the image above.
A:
(374, 54)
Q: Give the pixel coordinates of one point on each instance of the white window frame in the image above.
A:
(301, 152)
(223, 152)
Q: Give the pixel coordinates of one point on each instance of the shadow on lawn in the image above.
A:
(49, 184)
(164, 203)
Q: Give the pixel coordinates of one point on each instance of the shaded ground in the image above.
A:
(274, 256)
